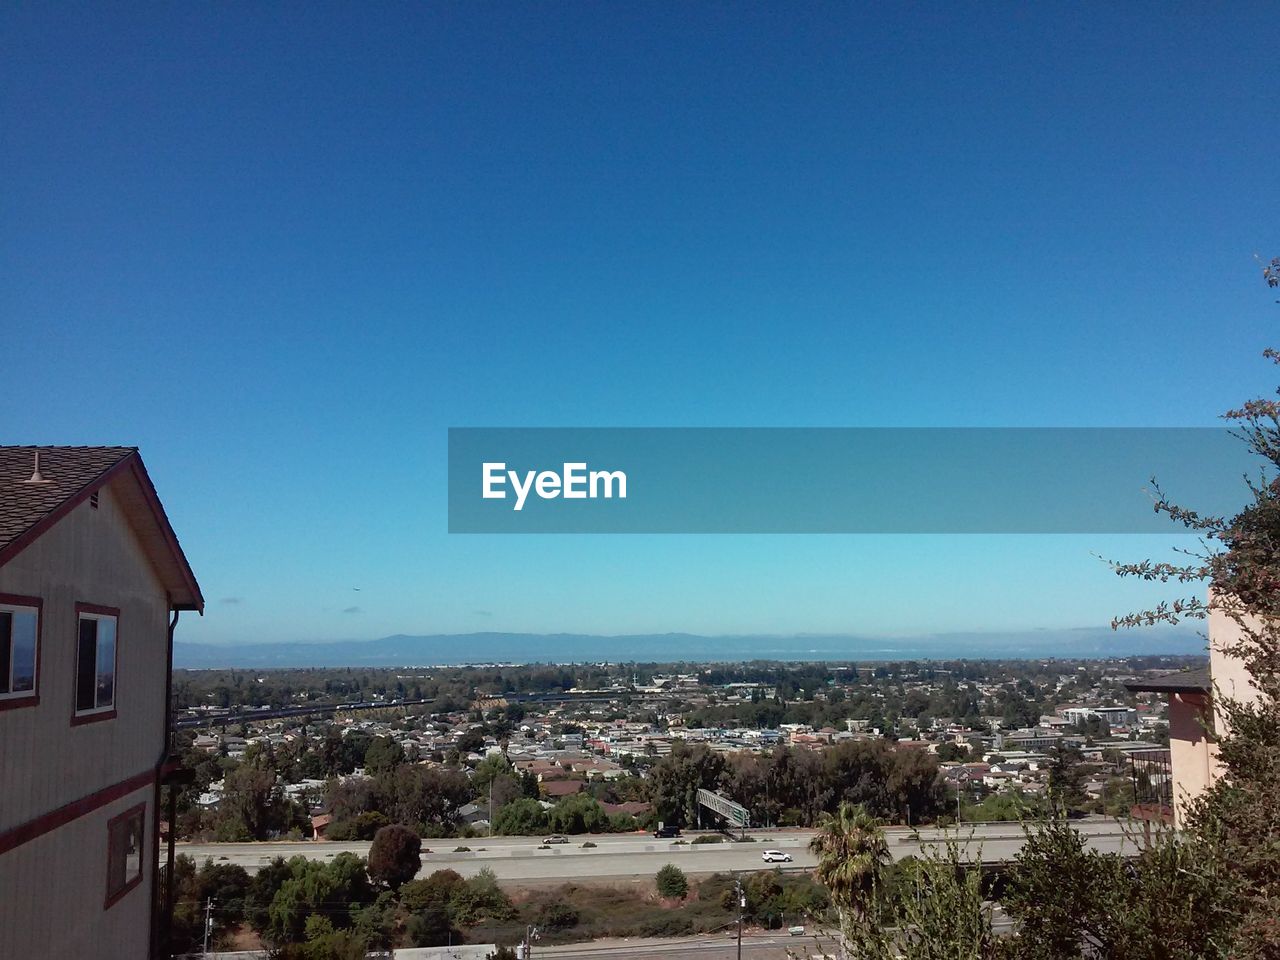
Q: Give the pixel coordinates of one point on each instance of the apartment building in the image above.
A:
(91, 582)
(1190, 766)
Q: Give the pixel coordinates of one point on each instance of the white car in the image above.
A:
(775, 856)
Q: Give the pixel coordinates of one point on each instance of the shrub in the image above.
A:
(670, 923)
(557, 916)
(588, 845)
(520, 818)
(364, 826)
(396, 855)
(461, 849)
(709, 838)
(672, 883)
(431, 928)
(438, 889)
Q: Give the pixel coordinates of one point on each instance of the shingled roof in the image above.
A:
(67, 476)
(1195, 680)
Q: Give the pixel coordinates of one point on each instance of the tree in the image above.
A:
(438, 889)
(672, 883)
(950, 751)
(578, 813)
(1066, 779)
(852, 852)
(677, 777)
(520, 818)
(395, 856)
(251, 805)
(383, 756)
(944, 916)
(431, 927)
(334, 890)
(1165, 903)
(471, 742)
(480, 897)
(1240, 560)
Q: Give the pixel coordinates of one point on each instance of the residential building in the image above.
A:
(1174, 779)
(90, 575)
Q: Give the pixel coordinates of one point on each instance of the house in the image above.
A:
(92, 581)
(1167, 781)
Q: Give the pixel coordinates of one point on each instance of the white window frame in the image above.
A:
(96, 613)
(22, 605)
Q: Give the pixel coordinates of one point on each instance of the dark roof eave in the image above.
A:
(1184, 681)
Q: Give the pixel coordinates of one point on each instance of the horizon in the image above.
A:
(429, 650)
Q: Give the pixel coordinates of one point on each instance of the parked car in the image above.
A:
(556, 838)
(775, 856)
(665, 831)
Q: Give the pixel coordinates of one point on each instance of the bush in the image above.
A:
(557, 916)
(670, 923)
(364, 826)
(623, 823)
(436, 890)
(461, 849)
(709, 838)
(431, 928)
(672, 883)
(520, 818)
(588, 845)
(396, 855)
(480, 897)
(579, 813)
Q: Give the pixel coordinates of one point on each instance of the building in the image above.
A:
(90, 576)
(1167, 781)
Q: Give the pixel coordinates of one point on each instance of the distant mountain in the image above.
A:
(404, 650)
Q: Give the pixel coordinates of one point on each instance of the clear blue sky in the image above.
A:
(282, 248)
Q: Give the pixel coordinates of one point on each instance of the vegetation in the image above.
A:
(1209, 892)
(672, 883)
(395, 857)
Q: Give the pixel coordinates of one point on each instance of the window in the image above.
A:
(96, 663)
(19, 650)
(124, 852)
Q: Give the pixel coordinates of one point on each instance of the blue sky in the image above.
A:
(282, 249)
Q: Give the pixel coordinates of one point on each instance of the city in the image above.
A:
(646, 481)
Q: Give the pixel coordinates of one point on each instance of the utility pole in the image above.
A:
(208, 919)
(742, 905)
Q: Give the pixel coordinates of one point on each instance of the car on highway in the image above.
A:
(775, 856)
(666, 831)
(556, 838)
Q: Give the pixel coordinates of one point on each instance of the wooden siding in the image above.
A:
(55, 888)
(91, 556)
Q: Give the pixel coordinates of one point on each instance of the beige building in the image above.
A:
(91, 582)
(1194, 720)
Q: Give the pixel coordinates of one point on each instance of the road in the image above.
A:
(638, 857)
(777, 946)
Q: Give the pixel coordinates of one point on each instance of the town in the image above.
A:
(305, 762)
(603, 730)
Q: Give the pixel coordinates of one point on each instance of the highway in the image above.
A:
(638, 857)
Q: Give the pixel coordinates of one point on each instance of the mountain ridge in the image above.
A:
(510, 647)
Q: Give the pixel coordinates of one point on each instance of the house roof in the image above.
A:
(69, 476)
(1195, 680)
(562, 788)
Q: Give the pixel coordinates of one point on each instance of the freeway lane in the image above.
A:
(638, 857)
(758, 947)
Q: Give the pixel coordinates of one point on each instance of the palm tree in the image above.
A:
(851, 851)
